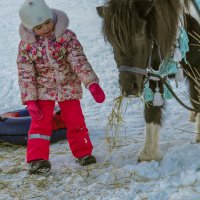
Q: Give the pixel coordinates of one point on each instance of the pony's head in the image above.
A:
(131, 27)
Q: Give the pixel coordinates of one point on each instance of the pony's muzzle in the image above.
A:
(133, 91)
(131, 84)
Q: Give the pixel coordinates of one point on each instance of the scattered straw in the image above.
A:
(115, 121)
(193, 73)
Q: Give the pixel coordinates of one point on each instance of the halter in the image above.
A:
(149, 73)
(136, 70)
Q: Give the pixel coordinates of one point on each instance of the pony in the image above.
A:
(143, 34)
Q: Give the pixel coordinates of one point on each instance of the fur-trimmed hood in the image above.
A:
(62, 22)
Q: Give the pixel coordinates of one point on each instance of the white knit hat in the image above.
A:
(34, 12)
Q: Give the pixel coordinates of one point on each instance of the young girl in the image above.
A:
(51, 67)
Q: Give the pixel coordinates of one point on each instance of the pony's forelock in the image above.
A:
(123, 22)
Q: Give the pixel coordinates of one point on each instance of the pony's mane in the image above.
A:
(125, 20)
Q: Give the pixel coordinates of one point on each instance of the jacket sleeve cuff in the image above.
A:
(87, 87)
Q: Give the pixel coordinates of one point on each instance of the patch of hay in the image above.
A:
(115, 122)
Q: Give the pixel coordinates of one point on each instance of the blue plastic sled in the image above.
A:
(15, 129)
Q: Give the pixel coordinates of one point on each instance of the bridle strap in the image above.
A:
(135, 70)
(158, 78)
(164, 82)
(148, 73)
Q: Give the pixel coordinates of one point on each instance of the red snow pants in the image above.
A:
(40, 130)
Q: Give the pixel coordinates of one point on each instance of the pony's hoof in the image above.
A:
(146, 155)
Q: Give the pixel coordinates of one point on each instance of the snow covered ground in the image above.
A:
(117, 174)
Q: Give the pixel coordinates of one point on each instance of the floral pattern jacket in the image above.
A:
(53, 68)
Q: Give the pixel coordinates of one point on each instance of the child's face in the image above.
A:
(45, 29)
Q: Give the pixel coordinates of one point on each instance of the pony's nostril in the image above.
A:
(135, 86)
(125, 94)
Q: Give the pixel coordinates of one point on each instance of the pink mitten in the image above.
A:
(34, 110)
(97, 92)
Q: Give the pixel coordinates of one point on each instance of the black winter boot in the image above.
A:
(86, 160)
(40, 167)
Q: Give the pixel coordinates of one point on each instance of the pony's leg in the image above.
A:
(198, 128)
(194, 95)
(192, 117)
(151, 148)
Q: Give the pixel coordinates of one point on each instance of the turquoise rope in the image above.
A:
(169, 66)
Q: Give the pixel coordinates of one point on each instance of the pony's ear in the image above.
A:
(100, 11)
